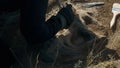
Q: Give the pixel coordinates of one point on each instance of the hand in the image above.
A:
(67, 13)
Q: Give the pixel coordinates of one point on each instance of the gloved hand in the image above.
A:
(67, 13)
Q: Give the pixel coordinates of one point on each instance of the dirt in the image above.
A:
(97, 20)
(104, 17)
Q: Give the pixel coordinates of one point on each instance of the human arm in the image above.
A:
(33, 25)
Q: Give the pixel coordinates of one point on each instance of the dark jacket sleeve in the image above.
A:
(33, 25)
(9, 5)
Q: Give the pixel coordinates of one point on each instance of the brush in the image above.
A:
(115, 11)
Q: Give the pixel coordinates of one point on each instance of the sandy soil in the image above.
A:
(97, 20)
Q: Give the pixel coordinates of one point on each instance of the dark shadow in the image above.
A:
(87, 20)
(6, 57)
(102, 53)
(92, 47)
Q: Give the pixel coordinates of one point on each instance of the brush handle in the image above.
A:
(113, 20)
